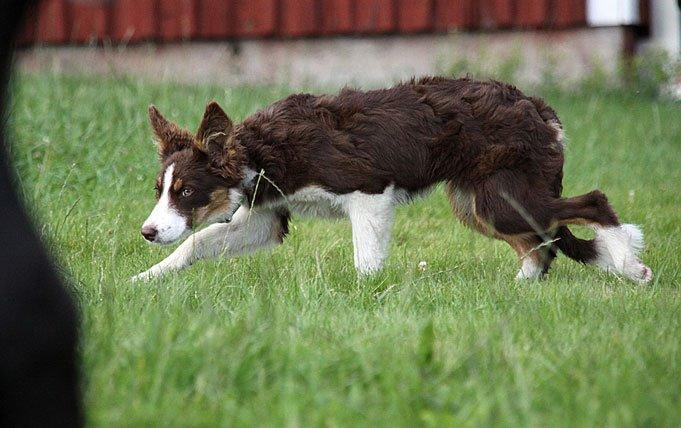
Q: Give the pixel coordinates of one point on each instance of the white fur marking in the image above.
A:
(560, 133)
(314, 201)
(170, 225)
(372, 218)
(249, 175)
(618, 249)
(311, 201)
(530, 269)
(248, 232)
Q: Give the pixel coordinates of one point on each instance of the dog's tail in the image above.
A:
(581, 250)
(615, 248)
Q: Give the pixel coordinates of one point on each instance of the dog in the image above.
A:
(359, 154)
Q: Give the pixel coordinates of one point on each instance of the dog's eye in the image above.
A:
(187, 192)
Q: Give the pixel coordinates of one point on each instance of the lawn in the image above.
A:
(292, 337)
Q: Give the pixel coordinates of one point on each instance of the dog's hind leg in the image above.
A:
(247, 232)
(535, 255)
(515, 211)
(479, 209)
(511, 209)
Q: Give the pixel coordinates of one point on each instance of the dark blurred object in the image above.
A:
(38, 324)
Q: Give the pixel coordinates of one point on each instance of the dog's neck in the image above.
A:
(248, 185)
(250, 177)
(245, 189)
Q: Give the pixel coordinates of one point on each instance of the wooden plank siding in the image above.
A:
(88, 22)
(215, 19)
(51, 22)
(299, 18)
(531, 14)
(375, 16)
(451, 15)
(495, 14)
(568, 13)
(337, 17)
(132, 21)
(177, 20)
(415, 16)
(255, 18)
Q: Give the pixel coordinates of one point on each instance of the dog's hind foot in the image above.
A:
(530, 270)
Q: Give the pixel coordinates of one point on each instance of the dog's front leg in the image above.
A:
(193, 248)
(371, 217)
(244, 234)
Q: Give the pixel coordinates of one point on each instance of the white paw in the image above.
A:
(529, 270)
(142, 277)
(368, 270)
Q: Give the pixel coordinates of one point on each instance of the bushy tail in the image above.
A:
(581, 250)
(615, 249)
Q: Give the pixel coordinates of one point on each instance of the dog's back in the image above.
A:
(413, 135)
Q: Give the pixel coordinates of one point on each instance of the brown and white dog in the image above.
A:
(360, 154)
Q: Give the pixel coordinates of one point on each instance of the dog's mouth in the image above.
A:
(168, 241)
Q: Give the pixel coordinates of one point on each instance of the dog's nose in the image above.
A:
(149, 233)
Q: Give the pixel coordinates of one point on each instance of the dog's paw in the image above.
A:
(142, 277)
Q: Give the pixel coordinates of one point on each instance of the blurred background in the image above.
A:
(336, 42)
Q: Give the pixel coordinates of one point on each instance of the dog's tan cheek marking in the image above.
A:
(199, 215)
(219, 201)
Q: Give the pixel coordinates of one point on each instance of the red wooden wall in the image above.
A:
(125, 21)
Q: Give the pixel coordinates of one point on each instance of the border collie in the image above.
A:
(360, 154)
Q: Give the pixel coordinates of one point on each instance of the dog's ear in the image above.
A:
(214, 138)
(170, 137)
(213, 133)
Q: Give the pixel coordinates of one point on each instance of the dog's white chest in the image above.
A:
(314, 201)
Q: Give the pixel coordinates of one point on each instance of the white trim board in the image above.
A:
(606, 13)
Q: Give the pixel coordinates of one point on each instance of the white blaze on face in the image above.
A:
(169, 224)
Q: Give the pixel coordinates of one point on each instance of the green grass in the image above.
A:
(292, 337)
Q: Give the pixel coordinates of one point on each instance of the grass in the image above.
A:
(292, 337)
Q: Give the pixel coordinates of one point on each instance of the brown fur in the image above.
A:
(487, 140)
(203, 163)
(219, 203)
(412, 135)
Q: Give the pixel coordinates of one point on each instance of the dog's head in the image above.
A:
(200, 178)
